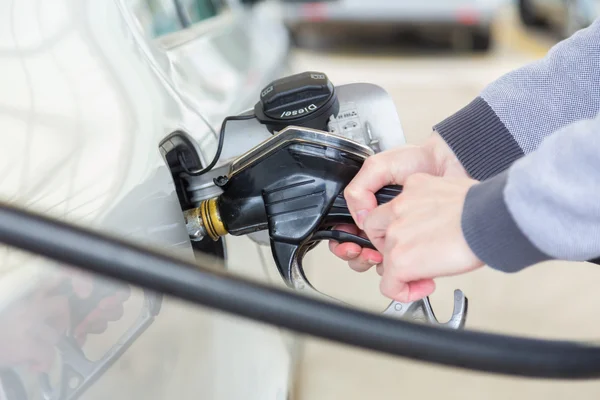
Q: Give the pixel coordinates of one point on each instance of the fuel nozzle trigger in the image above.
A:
(291, 185)
(289, 256)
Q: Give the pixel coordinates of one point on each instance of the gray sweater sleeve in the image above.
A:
(515, 113)
(545, 206)
(533, 139)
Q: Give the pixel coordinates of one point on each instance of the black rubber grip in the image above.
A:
(385, 195)
(339, 213)
(388, 193)
(342, 237)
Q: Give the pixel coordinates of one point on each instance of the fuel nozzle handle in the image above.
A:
(340, 214)
(387, 194)
(205, 220)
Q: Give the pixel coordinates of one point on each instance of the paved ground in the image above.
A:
(553, 300)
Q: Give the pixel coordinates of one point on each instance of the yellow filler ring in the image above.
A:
(212, 219)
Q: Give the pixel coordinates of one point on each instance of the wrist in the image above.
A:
(491, 231)
(480, 140)
(443, 157)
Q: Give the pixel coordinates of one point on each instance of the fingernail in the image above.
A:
(372, 262)
(352, 254)
(360, 217)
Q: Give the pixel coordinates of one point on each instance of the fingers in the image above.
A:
(402, 278)
(110, 309)
(377, 222)
(367, 259)
(92, 328)
(124, 294)
(345, 251)
(53, 312)
(400, 281)
(389, 167)
(406, 292)
(56, 313)
(40, 356)
(359, 259)
(396, 287)
(360, 192)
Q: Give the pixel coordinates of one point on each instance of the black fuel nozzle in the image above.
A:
(307, 100)
(292, 185)
(287, 185)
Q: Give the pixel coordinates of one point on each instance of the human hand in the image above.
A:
(434, 157)
(420, 236)
(105, 310)
(32, 326)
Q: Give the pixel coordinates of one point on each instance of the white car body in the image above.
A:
(86, 95)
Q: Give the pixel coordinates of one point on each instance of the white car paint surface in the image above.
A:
(86, 96)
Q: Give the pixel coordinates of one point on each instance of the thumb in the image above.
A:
(387, 168)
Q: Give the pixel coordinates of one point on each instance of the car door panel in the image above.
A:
(91, 97)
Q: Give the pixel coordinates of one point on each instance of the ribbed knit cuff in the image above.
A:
(480, 140)
(491, 231)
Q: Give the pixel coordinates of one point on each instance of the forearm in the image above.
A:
(514, 114)
(546, 206)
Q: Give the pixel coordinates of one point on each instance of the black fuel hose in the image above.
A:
(216, 289)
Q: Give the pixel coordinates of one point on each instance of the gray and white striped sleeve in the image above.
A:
(515, 113)
(545, 206)
(543, 115)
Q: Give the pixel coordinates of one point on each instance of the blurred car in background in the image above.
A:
(565, 16)
(471, 18)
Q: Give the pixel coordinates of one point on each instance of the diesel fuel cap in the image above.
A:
(307, 99)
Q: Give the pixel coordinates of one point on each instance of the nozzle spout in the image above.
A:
(205, 220)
